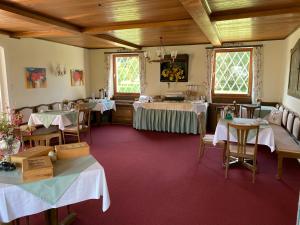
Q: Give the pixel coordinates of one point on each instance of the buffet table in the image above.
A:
(176, 117)
(75, 180)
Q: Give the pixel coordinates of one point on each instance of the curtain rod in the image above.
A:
(127, 52)
(239, 46)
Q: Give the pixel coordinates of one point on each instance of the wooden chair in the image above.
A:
(43, 139)
(240, 149)
(83, 125)
(250, 109)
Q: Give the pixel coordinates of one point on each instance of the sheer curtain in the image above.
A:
(257, 72)
(109, 83)
(143, 80)
(210, 54)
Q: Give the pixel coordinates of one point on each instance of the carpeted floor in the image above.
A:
(155, 179)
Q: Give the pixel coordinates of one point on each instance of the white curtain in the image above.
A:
(109, 83)
(143, 81)
(257, 70)
(210, 54)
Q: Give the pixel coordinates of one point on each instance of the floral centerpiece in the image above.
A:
(229, 112)
(173, 73)
(9, 138)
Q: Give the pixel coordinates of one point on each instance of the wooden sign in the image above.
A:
(37, 168)
(74, 150)
(29, 153)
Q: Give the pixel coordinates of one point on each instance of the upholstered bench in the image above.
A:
(287, 137)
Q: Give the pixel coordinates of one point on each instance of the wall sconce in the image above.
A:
(60, 71)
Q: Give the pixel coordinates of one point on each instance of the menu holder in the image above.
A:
(37, 168)
(29, 153)
(73, 150)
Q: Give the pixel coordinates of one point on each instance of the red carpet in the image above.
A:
(155, 179)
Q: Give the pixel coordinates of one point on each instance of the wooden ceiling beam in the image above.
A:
(61, 25)
(250, 13)
(197, 10)
(102, 29)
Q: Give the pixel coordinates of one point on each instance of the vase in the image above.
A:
(9, 149)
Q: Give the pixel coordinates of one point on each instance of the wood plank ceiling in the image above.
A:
(139, 23)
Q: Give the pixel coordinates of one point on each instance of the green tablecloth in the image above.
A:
(166, 120)
(50, 190)
(47, 117)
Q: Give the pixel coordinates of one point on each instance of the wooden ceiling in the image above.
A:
(140, 23)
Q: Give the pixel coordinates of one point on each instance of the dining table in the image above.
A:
(102, 105)
(75, 180)
(61, 118)
(265, 135)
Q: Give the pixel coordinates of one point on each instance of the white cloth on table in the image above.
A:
(103, 105)
(15, 202)
(265, 137)
(196, 106)
(61, 120)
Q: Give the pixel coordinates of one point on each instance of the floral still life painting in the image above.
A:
(176, 71)
(77, 77)
(35, 77)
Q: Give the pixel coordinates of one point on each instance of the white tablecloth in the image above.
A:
(15, 202)
(61, 120)
(265, 137)
(101, 106)
(195, 106)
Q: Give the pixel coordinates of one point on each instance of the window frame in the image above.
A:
(233, 96)
(115, 76)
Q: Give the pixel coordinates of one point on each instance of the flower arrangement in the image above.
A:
(229, 112)
(173, 73)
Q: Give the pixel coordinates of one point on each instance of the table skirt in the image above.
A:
(166, 121)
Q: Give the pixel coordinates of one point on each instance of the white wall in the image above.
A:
(273, 68)
(21, 53)
(289, 101)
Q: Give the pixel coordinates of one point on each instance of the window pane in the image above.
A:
(128, 74)
(232, 72)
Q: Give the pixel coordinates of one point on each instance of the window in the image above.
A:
(126, 74)
(233, 73)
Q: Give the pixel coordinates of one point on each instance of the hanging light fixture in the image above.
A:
(161, 54)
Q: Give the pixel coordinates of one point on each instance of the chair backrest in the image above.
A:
(242, 132)
(251, 110)
(42, 107)
(26, 112)
(84, 119)
(56, 106)
(43, 140)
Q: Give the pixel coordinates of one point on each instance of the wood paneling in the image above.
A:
(219, 5)
(171, 35)
(88, 13)
(262, 28)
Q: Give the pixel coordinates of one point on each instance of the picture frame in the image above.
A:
(77, 77)
(35, 77)
(176, 71)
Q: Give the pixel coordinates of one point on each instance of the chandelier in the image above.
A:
(161, 54)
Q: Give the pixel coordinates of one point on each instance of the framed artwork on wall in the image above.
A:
(77, 78)
(294, 76)
(176, 71)
(35, 77)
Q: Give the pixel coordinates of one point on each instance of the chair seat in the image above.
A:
(75, 128)
(250, 149)
(43, 131)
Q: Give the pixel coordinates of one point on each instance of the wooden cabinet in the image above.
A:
(124, 112)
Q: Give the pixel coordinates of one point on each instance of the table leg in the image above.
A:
(51, 217)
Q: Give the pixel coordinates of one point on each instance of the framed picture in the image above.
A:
(77, 78)
(35, 77)
(176, 71)
(294, 76)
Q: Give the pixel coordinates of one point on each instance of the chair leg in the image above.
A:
(279, 167)
(27, 220)
(90, 136)
(78, 136)
(63, 135)
(253, 171)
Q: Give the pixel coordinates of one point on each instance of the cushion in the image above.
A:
(281, 108)
(275, 116)
(283, 141)
(284, 117)
(290, 120)
(296, 128)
